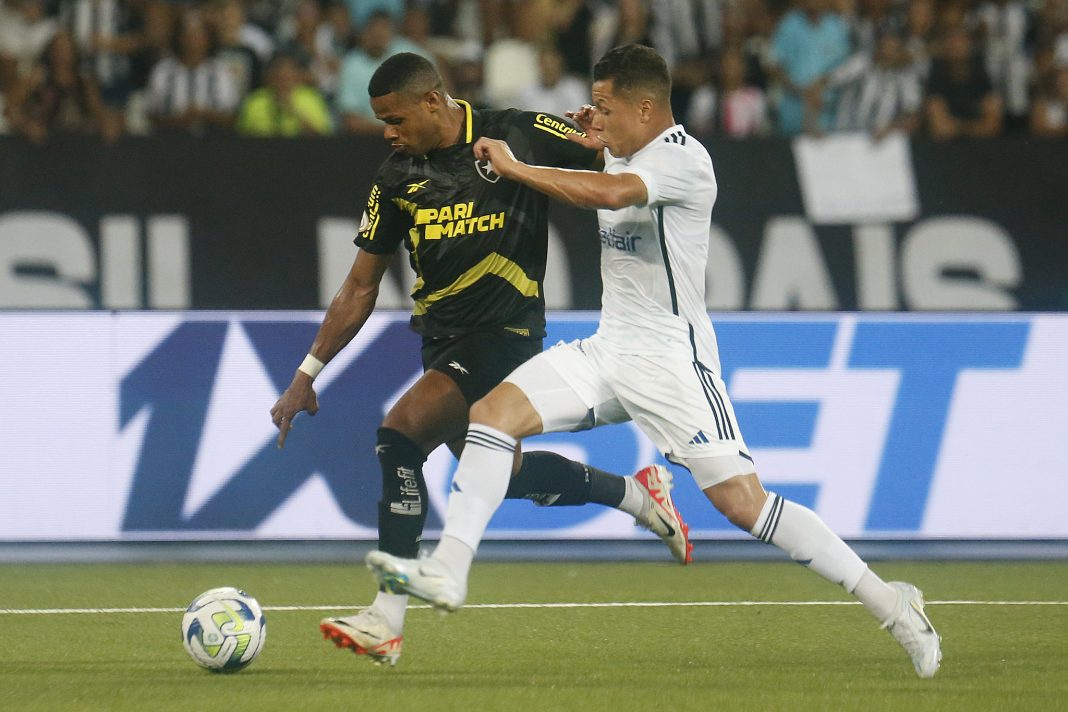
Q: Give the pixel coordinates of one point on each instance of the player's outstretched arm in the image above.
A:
(344, 318)
(583, 189)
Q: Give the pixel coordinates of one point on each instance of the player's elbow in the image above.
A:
(612, 200)
(608, 198)
(365, 292)
(354, 291)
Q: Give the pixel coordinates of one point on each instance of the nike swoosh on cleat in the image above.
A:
(430, 575)
(923, 616)
(671, 529)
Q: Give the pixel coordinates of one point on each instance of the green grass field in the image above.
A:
(767, 657)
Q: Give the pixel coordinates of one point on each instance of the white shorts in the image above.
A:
(677, 402)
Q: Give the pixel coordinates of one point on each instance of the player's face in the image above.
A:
(618, 119)
(409, 126)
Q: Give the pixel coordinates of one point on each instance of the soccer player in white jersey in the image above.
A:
(653, 359)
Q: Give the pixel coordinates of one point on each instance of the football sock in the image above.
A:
(403, 508)
(479, 485)
(551, 480)
(392, 606)
(633, 501)
(876, 595)
(802, 534)
(456, 555)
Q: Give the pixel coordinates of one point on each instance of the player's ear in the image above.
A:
(433, 100)
(645, 109)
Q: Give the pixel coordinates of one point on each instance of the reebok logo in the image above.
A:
(458, 367)
(413, 187)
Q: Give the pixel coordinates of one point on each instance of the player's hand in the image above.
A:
(500, 157)
(299, 397)
(584, 118)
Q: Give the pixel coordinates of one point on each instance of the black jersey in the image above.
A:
(477, 242)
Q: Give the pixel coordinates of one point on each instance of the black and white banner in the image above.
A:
(819, 224)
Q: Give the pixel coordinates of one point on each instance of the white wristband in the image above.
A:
(311, 366)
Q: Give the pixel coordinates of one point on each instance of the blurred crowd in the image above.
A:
(945, 68)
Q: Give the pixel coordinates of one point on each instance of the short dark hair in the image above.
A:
(634, 66)
(404, 72)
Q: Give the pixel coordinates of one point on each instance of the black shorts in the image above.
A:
(477, 362)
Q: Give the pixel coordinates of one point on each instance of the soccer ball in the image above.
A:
(223, 629)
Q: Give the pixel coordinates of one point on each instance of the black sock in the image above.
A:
(403, 508)
(552, 480)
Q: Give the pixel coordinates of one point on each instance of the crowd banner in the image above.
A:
(155, 426)
(836, 223)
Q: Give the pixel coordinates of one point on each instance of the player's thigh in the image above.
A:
(565, 388)
(684, 409)
(479, 361)
(458, 371)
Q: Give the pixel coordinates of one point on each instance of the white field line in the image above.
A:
(510, 606)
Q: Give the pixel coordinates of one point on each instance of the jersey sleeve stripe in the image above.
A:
(372, 212)
(493, 263)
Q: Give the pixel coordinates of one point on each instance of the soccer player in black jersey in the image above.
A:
(478, 247)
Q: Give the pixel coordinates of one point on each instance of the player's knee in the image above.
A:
(740, 515)
(400, 422)
(410, 425)
(507, 409)
(489, 411)
(738, 502)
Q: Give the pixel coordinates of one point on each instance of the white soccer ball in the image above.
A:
(223, 629)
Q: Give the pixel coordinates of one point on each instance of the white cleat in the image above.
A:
(366, 633)
(659, 514)
(425, 578)
(911, 627)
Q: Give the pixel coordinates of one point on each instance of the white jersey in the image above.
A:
(653, 256)
(654, 358)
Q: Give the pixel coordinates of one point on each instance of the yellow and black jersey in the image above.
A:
(477, 242)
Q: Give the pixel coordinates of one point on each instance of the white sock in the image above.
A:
(876, 595)
(806, 539)
(456, 555)
(479, 485)
(633, 498)
(392, 606)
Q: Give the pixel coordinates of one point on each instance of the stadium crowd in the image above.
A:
(945, 68)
